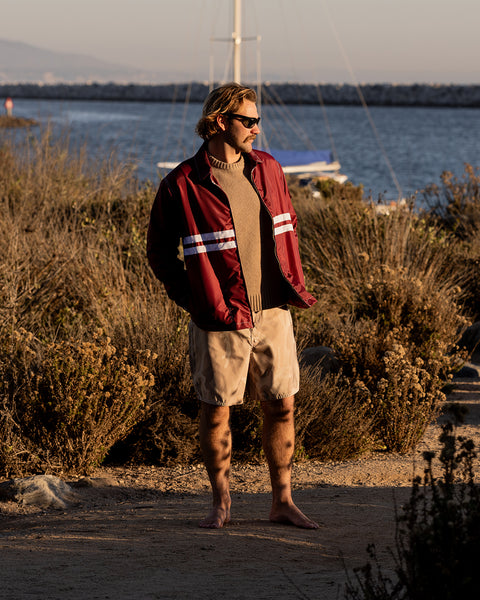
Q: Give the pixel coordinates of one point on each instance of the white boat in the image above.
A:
(296, 162)
(307, 164)
(313, 164)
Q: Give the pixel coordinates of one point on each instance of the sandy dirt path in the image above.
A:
(134, 533)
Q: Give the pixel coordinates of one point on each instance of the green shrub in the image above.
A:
(438, 534)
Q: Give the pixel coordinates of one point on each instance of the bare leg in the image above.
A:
(216, 445)
(278, 445)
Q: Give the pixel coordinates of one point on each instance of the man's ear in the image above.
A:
(222, 122)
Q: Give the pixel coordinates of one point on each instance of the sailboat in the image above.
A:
(309, 164)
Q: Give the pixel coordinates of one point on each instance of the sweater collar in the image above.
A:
(204, 167)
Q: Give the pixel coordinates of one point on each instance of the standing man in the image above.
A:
(230, 208)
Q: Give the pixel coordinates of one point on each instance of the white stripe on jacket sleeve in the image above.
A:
(196, 244)
(209, 248)
(285, 218)
(207, 237)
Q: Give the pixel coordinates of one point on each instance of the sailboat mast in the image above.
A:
(237, 41)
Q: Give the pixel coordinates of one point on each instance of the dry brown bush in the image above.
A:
(72, 259)
(64, 404)
(456, 201)
(332, 420)
(389, 305)
(454, 205)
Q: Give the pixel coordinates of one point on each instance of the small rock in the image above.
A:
(45, 491)
(320, 356)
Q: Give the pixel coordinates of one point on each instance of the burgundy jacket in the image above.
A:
(191, 208)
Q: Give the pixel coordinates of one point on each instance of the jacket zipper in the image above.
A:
(274, 238)
(238, 254)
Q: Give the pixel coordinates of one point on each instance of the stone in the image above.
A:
(320, 356)
(44, 491)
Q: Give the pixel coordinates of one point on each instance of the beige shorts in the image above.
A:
(266, 356)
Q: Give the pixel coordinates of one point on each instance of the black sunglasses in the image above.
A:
(247, 122)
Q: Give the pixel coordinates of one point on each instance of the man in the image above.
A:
(230, 208)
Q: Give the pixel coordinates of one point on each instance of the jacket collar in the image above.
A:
(204, 167)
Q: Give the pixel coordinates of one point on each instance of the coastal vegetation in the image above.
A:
(437, 532)
(94, 356)
(10, 122)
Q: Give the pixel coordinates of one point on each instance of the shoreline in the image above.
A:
(378, 94)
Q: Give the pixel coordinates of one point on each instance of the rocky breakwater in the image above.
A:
(289, 93)
(377, 94)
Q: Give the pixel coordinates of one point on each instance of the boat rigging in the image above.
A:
(307, 163)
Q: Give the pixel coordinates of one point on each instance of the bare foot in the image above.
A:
(289, 514)
(216, 518)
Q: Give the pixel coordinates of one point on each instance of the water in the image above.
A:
(420, 143)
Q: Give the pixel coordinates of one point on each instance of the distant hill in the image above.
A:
(21, 62)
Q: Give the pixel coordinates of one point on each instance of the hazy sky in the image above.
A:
(303, 40)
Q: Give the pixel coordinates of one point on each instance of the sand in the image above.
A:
(133, 532)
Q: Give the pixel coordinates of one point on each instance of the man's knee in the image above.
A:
(214, 415)
(281, 408)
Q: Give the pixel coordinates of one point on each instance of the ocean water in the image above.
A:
(418, 143)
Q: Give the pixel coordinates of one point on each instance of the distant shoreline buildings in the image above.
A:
(378, 94)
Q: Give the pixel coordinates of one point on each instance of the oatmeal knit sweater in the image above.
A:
(265, 284)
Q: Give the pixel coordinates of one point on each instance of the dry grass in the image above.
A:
(11, 122)
(455, 207)
(72, 261)
(66, 403)
(389, 305)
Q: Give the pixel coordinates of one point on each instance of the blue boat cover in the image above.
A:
(289, 158)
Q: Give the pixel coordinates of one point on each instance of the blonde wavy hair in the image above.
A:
(224, 99)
